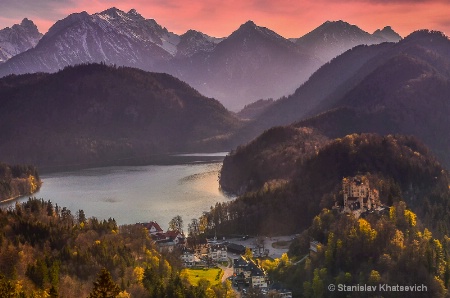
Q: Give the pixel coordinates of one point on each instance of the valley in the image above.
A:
(110, 180)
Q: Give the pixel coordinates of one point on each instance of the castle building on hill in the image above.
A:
(358, 196)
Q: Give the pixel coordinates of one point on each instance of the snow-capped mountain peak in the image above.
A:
(18, 39)
(135, 26)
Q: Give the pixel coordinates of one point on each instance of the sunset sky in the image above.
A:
(290, 18)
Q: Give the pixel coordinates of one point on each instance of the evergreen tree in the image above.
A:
(104, 286)
(53, 292)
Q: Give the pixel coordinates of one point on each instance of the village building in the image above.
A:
(188, 257)
(153, 228)
(246, 271)
(218, 252)
(358, 196)
(258, 276)
(239, 265)
(166, 245)
(236, 248)
(177, 237)
(165, 241)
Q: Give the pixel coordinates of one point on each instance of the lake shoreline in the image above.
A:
(156, 160)
(142, 193)
(20, 196)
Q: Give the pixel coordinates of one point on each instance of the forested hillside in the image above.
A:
(101, 115)
(47, 251)
(384, 252)
(270, 158)
(405, 244)
(402, 168)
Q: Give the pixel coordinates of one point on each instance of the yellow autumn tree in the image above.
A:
(411, 218)
(366, 230)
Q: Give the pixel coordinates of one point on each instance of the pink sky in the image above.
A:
(290, 18)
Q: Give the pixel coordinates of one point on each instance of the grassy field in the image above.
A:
(213, 275)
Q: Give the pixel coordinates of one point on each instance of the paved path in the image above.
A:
(227, 272)
(301, 260)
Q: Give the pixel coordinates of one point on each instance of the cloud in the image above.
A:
(43, 12)
(39, 8)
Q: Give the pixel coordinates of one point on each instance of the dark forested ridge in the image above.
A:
(270, 158)
(401, 167)
(97, 114)
(18, 180)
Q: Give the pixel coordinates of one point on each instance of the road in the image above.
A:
(227, 272)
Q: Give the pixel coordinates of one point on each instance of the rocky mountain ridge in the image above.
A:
(18, 39)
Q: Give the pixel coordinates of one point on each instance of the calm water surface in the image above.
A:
(137, 193)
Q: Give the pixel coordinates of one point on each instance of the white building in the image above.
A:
(218, 253)
(188, 258)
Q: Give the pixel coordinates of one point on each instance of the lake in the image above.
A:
(132, 194)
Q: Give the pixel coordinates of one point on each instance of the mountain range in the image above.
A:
(252, 63)
(113, 37)
(101, 115)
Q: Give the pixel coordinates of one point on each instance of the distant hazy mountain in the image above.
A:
(334, 38)
(252, 63)
(193, 42)
(100, 115)
(18, 39)
(387, 34)
(331, 81)
(254, 109)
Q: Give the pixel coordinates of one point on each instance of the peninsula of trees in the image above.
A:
(18, 180)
